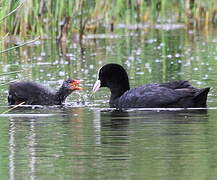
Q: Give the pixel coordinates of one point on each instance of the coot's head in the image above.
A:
(71, 85)
(66, 89)
(114, 77)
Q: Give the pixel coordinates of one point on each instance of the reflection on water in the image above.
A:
(14, 148)
(170, 142)
(84, 143)
(86, 140)
(115, 135)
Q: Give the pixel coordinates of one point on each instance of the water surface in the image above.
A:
(85, 139)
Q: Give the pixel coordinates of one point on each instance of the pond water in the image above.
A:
(87, 140)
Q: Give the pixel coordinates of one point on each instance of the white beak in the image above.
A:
(96, 86)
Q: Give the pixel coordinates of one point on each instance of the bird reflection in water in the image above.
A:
(115, 134)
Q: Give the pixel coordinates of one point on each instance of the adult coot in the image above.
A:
(36, 94)
(177, 94)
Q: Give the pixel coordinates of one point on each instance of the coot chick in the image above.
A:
(36, 94)
(177, 94)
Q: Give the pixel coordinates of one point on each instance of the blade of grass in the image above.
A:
(13, 11)
(14, 107)
(8, 82)
(18, 46)
(3, 38)
(13, 72)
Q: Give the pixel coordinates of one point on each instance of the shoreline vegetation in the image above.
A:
(61, 18)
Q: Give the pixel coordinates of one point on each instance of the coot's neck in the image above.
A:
(119, 89)
(61, 95)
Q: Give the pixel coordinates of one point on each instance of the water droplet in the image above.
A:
(43, 54)
(61, 73)
(157, 60)
(140, 73)
(169, 56)
(177, 55)
(37, 42)
(39, 58)
(91, 66)
(147, 65)
(131, 58)
(151, 41)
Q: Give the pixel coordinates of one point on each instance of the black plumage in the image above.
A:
(176, 94)
(32, 93)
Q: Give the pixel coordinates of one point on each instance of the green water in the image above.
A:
(85, 139)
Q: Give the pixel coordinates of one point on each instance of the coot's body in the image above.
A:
(177, 94)
(163, 95)
(32, 93)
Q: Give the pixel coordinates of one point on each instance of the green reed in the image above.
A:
(55, 18)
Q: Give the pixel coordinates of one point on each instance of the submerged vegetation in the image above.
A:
(50, 18)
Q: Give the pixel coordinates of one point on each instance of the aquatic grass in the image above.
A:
(14, 107)
(62, 17)
(13, 11)
(9, 73)
(4, 37)
(21, 45)
(6, 83)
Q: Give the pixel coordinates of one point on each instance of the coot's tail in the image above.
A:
(201, 97)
